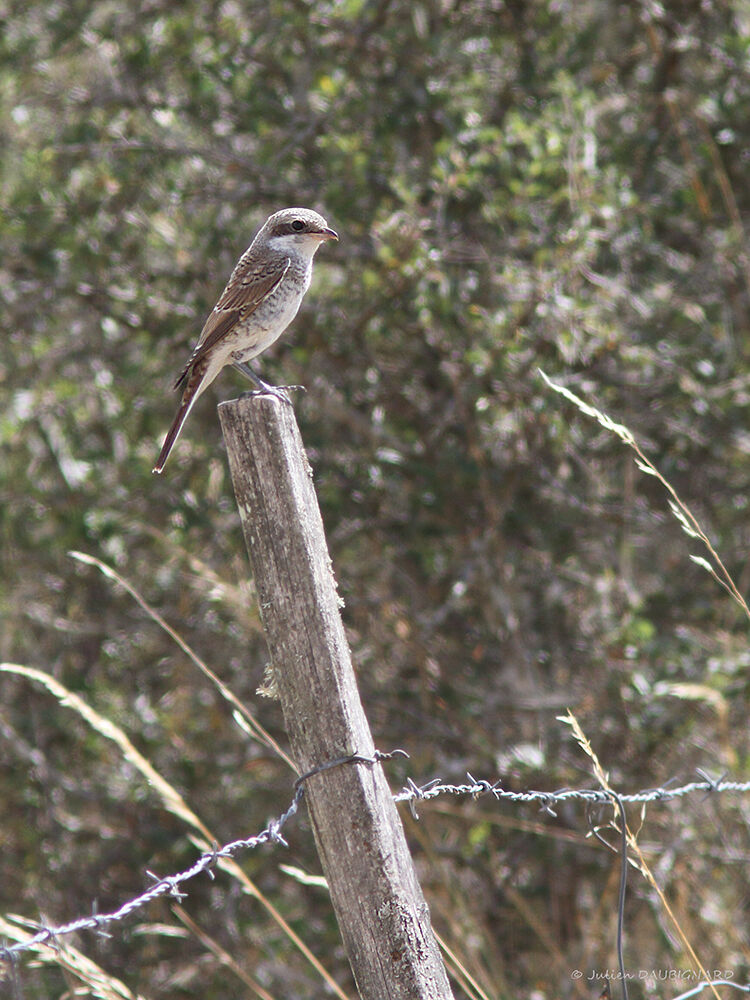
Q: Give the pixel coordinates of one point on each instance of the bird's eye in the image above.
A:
(298, 225)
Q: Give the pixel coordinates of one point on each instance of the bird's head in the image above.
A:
(296, 230)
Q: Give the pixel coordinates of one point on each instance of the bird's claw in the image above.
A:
(279, 391)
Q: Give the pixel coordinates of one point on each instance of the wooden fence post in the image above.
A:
(381, 912)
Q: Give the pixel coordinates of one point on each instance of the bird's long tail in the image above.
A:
(196, 383)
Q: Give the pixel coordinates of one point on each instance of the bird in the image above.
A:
(261, 299)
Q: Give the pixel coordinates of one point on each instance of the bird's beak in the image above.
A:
(327, 234)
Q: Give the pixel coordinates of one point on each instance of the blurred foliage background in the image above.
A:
(556, 183)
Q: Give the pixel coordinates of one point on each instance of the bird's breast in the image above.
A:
(260, 328)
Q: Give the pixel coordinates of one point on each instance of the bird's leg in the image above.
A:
(244, 368)
(275, 390)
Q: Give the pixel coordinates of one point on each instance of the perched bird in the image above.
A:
(260, 301)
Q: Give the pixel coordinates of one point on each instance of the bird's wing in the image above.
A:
(247, 288)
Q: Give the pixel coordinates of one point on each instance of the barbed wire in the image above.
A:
(168, 885)
(411, 794)
(477, 788)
